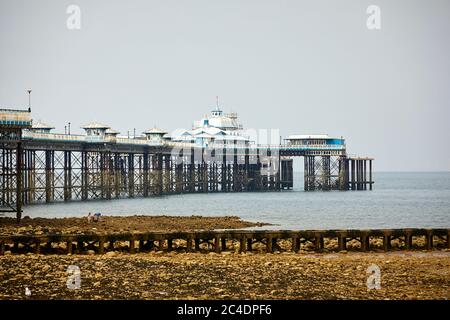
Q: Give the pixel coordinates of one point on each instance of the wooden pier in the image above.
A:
(218, 241)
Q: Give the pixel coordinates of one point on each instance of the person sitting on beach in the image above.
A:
(97, 216)
(89, 218)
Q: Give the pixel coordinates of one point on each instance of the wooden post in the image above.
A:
(386, 242)
(217, 244)
(132, 246)
(101, 246)
(249, 244)
(38, 246)
(269, 244)
(69, 247)
(318, 241)
(189, 244)
(274, 244)
(408, 241)
(80, 246)
(197, 244)
(223, 243)
(342, 242)
(365, 244)
(169, 244)
(242, 244)
(429, 239)
(295, 244)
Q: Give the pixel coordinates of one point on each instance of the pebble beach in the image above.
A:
(414, 274)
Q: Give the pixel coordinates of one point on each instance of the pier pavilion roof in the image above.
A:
(95, 125)
(218, 120)
(41, 125)
(208, 130)
(113, 132)
(223, 122)
(155, 130)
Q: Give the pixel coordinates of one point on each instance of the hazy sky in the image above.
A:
(303, 67)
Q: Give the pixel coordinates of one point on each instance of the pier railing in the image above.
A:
(53, 136)
(173, 144)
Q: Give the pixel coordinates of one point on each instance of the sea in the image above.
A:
(398, 200)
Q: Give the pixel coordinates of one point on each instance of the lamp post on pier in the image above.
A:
(29, 99)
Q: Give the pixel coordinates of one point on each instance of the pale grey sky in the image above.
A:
(301, 66)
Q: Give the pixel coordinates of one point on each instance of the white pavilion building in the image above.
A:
(216, 128)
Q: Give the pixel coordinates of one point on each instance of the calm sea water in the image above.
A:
(398, 200)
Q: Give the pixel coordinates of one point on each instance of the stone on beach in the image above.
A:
(196, 275)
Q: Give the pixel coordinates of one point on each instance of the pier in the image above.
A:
(37, 166)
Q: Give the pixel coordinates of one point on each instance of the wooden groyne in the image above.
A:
(217, 241)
